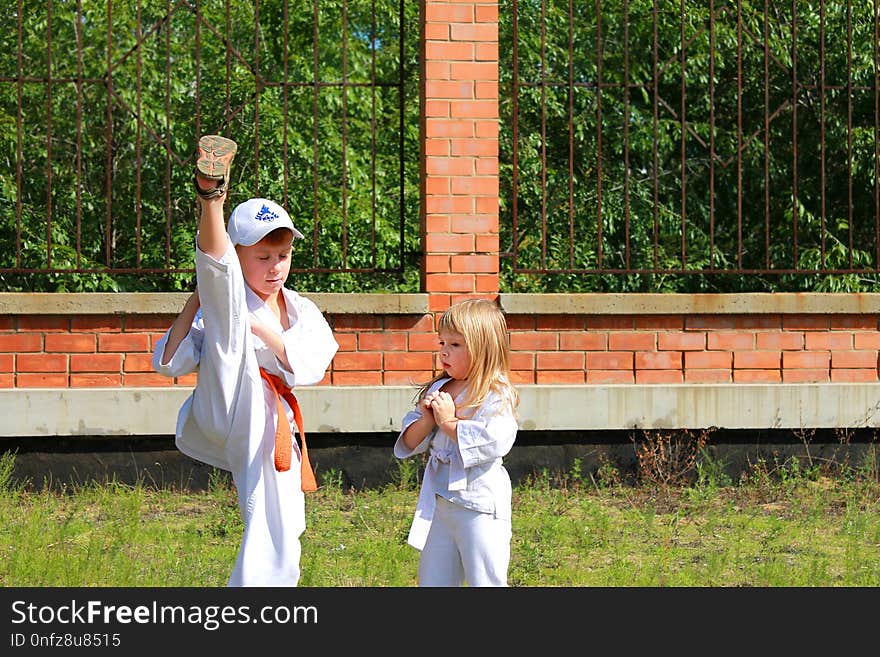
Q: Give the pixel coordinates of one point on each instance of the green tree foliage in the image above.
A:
(608, 179)
(98, 134)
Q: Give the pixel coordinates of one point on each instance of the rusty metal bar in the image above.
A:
(544, 133)
(18, 148)
(822, 167)
(285, 95)
(767, 134)
(401, 138)
(683, 163)
(168, 133)
(198, 54)
(626, 143)
(344, 168)
(794, 140)
(712, 172)
(739, 135)
(316, 77)
(228, 115)
(138, 146)
(49, 133)
(257, 91)
(849, 129)
(514, 141)
(373, 133)
(599, 231)
(655, 173)
(108, 202)
(79, 75)
(571, 90)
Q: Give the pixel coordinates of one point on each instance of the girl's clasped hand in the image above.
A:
(441, 405)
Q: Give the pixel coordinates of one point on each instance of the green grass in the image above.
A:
(775, 528)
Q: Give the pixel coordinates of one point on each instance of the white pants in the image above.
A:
(465, 546)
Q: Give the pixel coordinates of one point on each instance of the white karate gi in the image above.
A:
(472, 542)
(229, 420)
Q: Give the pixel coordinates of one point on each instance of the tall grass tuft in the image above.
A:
(8, 484)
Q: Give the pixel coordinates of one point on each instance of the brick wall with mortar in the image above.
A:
(113, 350)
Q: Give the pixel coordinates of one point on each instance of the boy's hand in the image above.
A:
(271, 339)
(257, 327)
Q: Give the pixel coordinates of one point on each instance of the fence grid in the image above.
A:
(105, 101)
(652, 137)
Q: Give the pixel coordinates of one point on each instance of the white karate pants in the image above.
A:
(465, 546)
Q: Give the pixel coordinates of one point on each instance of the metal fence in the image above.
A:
(649, 138)
(102, 105)
(643, 142)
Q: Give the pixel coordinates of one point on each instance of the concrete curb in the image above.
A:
(367, 409)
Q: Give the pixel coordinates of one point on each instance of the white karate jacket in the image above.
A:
(229, 420)
(468, 471)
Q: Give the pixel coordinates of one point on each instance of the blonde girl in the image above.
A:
(465, 419)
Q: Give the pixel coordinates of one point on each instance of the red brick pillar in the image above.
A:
(460, 168)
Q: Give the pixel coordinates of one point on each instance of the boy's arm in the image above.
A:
(309, 345)
(181, 326)
(211, 235)
(272, 339)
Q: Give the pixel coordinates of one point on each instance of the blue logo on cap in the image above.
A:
(265, 214)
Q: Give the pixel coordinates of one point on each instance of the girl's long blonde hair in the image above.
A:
(482, 325)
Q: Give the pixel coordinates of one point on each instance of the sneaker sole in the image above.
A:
(213, 161)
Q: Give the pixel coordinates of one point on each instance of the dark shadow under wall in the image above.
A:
(366, 461)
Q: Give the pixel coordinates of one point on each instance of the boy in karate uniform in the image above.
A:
(251, 340)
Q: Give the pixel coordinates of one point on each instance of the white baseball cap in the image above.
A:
(252, 220)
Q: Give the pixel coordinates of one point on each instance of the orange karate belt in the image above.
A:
(283, 437)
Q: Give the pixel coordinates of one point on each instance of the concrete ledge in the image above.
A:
(148, 303)
(690, 304)
(364, 409)
(170, 303)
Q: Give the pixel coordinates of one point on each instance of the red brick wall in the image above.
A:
(110, 351)
(589, 349)
(87, 351)
(770, 348)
